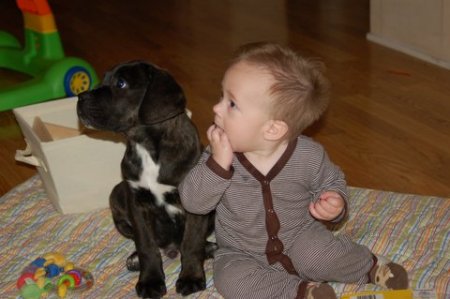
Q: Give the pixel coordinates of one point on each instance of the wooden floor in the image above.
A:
(388, 125)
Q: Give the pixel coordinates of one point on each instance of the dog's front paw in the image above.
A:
(154, 288)
(189, 285)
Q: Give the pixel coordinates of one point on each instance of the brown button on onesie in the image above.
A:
(268, 241)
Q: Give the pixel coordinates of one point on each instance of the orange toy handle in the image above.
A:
(37, 7)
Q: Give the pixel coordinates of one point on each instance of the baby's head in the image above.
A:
(299, 94)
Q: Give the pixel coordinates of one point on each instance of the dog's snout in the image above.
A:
(82, 105)
(84, 95)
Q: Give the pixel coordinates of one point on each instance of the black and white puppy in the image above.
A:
(147, 105)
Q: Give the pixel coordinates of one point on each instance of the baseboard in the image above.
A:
(407, 50)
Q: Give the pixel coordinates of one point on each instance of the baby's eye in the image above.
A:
(232, 104)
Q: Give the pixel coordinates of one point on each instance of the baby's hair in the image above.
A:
(300, 92)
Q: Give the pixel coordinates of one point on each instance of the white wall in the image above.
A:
(420, 28)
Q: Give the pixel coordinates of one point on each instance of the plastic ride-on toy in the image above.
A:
(52, 74)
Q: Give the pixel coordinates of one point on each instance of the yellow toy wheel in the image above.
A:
(76, 81)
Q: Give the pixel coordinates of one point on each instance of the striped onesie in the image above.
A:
(268, 241)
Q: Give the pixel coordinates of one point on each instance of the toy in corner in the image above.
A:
(385, 294)
(52, 74)
(52, 272)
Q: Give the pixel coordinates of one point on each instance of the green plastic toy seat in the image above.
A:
(52, 75)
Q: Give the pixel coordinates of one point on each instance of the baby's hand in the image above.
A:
(221, 149)
(329, 205)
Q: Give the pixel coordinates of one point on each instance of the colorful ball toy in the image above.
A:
(52, 272)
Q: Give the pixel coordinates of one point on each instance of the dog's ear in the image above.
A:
(163, 99)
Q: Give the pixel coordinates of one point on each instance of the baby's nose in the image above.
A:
(216, 108)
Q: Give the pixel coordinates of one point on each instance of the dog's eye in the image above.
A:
(121, 83)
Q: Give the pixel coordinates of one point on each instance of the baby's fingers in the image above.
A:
(209, 132)
(214, 134)
(313, 212)
(332, 198)
(317, 211)
(321, 211)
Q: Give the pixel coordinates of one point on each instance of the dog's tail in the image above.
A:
(210, 249)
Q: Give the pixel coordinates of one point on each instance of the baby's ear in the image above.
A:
(275, 130)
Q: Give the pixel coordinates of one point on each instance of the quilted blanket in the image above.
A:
(411, 230)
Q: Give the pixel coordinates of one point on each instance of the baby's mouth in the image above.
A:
(217, 126)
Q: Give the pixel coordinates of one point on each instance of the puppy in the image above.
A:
(147, 105)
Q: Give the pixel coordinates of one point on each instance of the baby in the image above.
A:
(272, 188)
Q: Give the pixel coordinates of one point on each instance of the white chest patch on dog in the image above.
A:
(148, 180)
